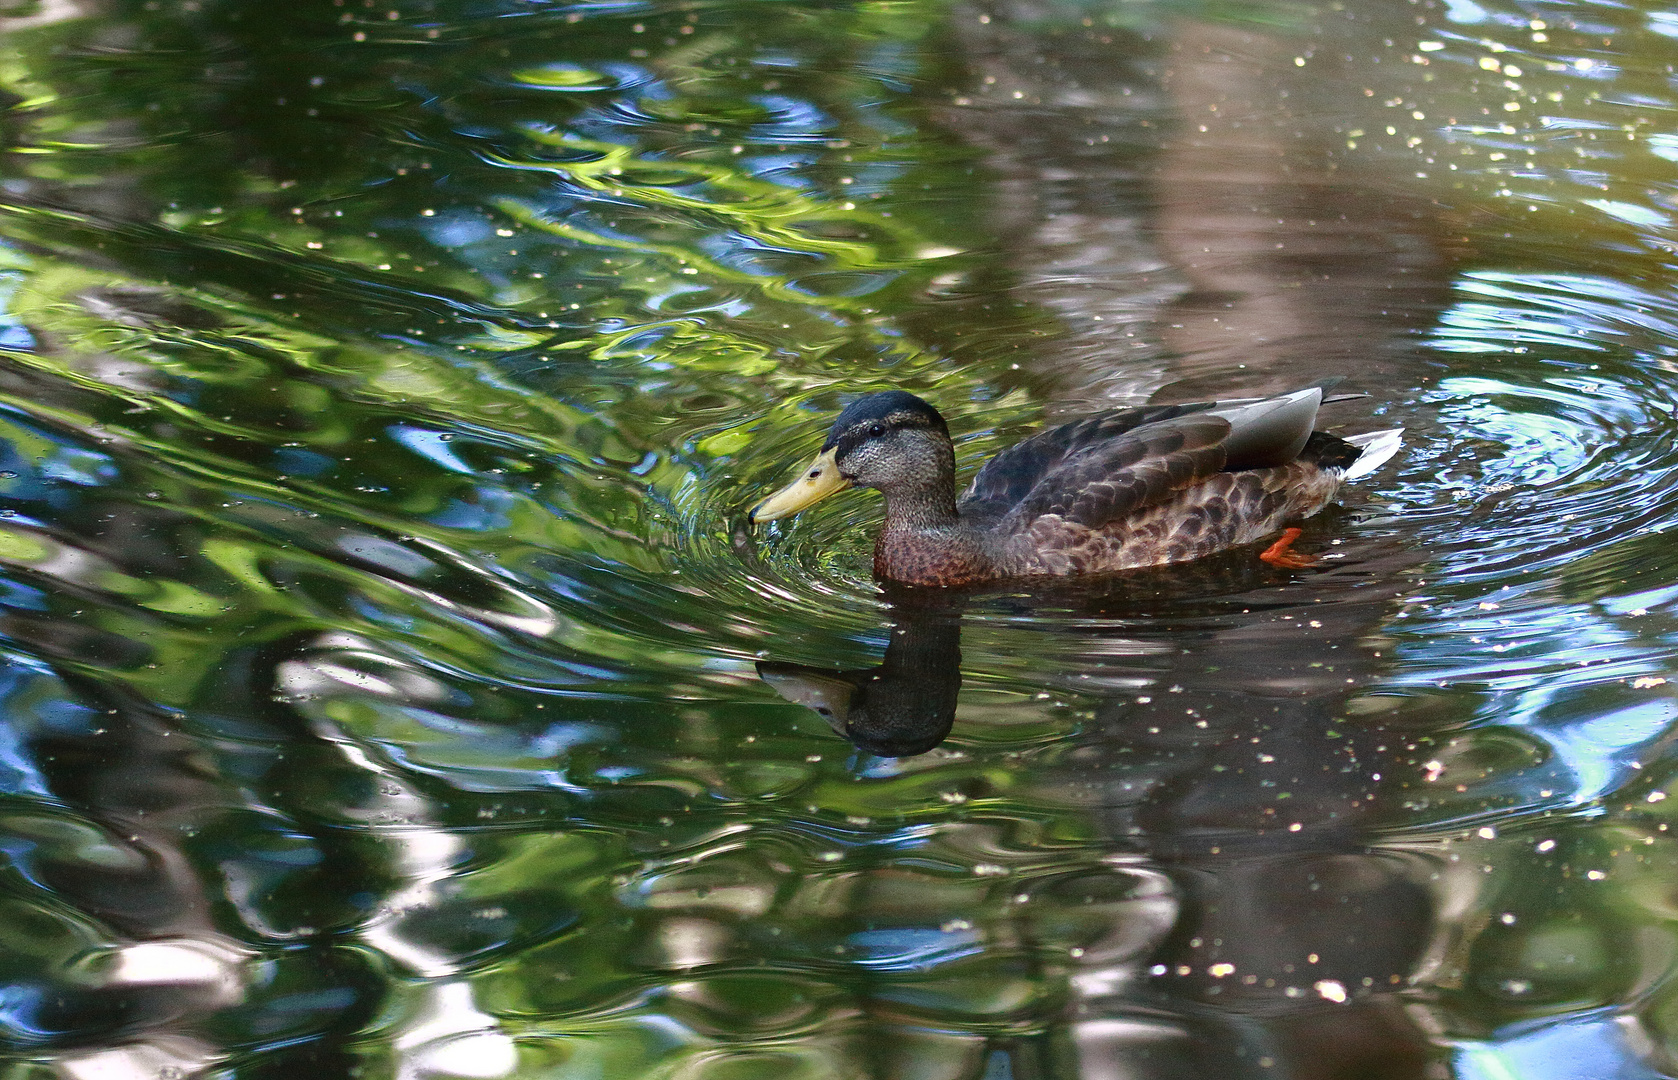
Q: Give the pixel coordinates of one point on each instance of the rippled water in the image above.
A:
(381, 390)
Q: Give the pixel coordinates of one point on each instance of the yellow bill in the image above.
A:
(819, 480)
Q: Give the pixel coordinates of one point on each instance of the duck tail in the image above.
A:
(1376, 449)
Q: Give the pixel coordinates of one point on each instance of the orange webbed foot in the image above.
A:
(1281, 555)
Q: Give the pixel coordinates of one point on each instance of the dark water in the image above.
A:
(381, 390)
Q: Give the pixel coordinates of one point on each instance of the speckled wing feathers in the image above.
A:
(1229, 508)
(1011, 475)
(1142, 487)
(1094, 475)
(1101, 470)
(1134, 471)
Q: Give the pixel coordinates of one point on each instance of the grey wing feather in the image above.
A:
(1130, 473)
(1272, 432)
(1093, 482)
(1011, 475)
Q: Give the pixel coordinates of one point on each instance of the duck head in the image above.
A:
(892, 441)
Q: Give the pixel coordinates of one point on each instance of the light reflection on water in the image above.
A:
(380, 397)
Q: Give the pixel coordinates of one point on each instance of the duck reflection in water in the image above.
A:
(906, 705)
(1239, 797)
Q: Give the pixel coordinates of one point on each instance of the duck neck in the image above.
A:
(925, 542)
(931, 508)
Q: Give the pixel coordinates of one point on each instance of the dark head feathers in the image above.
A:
(890, 408)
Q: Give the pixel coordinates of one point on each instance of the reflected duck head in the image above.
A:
(878, 712)
(901, 708)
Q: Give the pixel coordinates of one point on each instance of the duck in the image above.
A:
(1118, 490)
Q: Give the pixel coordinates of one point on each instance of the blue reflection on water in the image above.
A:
(1593, 1047)
(33, 703)
(1555, 309)
(13, 333)
(1568, 475)
(491, 511)
(1603, 750)
(1630, 213)
(1465, 11)
(911, 948)
(430, 444)
(1537, 449)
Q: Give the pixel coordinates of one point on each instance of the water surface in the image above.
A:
(381, 390)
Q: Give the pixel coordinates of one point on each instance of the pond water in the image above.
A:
(382, 389)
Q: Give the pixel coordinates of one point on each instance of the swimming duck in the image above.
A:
(1115, 491)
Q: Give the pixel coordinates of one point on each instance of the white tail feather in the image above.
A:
(1378, 448)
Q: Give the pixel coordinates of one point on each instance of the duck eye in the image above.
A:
(876, 429)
